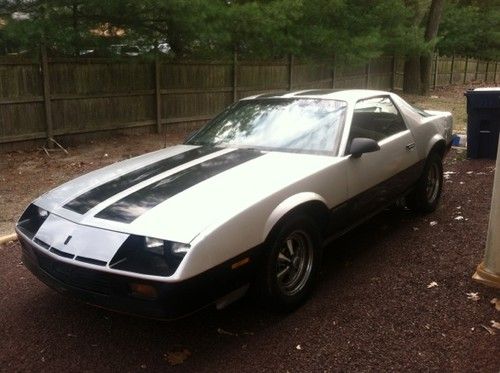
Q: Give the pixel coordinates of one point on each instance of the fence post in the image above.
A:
(290, 72)
(495, 76)
(158, 94)
(486, 72)
(477, 69)
(367, 75)
(393, 73)
(46, 95)
(333, 72)
(235, 76)
(466, 69)
(452, 68)
(436, 63)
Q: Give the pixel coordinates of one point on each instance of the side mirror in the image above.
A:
(360, 145)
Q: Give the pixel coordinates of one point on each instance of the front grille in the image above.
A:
(91, 261)
(61, 253)
(41, 243)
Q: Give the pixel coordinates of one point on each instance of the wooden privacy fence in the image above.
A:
(42, 99)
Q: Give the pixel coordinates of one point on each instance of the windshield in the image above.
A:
(298, 125)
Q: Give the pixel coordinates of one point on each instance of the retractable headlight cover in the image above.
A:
(32, 219)
(148, 255)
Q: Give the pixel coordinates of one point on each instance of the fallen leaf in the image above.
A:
(299, 347)
(495, 324)
(433, 284)
(225, 332)
(433, 223)
(459, 217)
(447, 174)
(177, 356)
(496, 303)
(488, 329)
(473, 296)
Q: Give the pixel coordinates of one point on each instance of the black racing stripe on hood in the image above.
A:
(84, 202)
(134, 205)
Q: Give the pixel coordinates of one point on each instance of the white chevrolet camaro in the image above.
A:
(250, 199)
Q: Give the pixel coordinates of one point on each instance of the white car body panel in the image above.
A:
(378, 166)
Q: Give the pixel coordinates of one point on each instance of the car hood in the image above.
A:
(178, 192)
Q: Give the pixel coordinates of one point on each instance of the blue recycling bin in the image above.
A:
(483, 122)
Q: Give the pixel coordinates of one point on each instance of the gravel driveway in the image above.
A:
(373, 309)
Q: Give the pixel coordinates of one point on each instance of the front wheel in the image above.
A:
(425, 197)
(291, 264)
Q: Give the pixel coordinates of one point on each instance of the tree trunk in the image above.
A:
(431, 31)
(411, 77)
(418, 68)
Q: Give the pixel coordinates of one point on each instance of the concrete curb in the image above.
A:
(9, 237)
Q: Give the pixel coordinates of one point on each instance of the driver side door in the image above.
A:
(378, 178)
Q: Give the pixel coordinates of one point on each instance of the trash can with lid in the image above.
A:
(483, 122)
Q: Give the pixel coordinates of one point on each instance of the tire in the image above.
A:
(290, 264)
(425, 197)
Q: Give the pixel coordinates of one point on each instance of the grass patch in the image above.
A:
(446, 99)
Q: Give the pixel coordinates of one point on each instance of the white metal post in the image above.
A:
(488, 271)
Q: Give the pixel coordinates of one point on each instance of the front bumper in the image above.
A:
(113, 291)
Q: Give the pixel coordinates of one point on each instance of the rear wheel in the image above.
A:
(291, 264)
(425, 197)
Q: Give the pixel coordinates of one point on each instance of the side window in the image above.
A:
(376, 118)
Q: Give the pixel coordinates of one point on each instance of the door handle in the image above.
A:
(410, 146)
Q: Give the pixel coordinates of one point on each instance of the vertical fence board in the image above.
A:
(46, 95)
(235, 76)
(436, 64)
(158, 94)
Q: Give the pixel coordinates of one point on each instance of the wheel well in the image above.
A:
(314, 209)
(439, 148)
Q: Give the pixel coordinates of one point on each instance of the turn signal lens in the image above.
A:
(143, 291)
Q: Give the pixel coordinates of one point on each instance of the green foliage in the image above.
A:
(351, 30)
(471, 29)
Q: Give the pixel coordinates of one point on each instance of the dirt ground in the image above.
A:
(373, 309)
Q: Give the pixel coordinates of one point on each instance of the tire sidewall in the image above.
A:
(419, 200)
(270, 288)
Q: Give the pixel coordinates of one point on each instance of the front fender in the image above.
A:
(288, 205)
